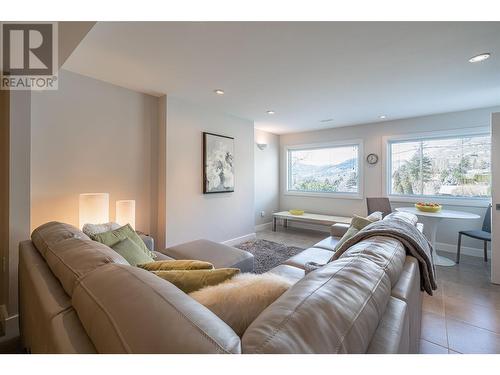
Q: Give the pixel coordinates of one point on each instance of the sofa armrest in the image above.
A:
(148, 241)
(339, 229)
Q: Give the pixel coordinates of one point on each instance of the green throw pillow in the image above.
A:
(112, 237)
(357, 223)
(191, 280)
(131, 252)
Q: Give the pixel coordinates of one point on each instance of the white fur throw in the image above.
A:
(240, 300)
(93, 229)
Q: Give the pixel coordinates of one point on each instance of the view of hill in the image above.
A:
(325, 178)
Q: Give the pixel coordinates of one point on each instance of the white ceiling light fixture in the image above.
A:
(270, 112)
(480, 57)
(219, 91)
(382, 117)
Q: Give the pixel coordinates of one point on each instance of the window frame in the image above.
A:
(322, 145)
(446, 134)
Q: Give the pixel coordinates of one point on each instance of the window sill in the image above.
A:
(465, 202)
(324, 195)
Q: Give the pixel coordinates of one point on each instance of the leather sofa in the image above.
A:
(79, 296)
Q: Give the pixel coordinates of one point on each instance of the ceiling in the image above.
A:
(351, 72)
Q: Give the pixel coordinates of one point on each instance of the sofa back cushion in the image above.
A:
(130, 310)
(388, 253)
(70, 254)
(334, 309)
(53, 232)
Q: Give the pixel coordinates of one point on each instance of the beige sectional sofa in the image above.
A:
(79, 296)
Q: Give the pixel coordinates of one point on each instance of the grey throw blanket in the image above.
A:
(412, 239)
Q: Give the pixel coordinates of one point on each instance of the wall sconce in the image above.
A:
(262, 146)
(93, 208)
(125, 212)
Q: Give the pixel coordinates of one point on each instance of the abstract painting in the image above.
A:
(218, 163)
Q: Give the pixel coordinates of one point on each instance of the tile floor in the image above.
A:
(462, 317)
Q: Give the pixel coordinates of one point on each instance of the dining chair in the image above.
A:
(484, 235)
(381, 204)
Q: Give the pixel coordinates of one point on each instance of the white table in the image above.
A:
(435, 218)
(309, 218)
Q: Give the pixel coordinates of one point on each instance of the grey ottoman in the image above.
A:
(221, 256)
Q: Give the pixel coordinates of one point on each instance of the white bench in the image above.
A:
(309, 218)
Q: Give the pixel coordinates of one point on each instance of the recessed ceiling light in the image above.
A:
(270, 112)
(327, 120)
(382, 117)
(219, 92)
(479, 58)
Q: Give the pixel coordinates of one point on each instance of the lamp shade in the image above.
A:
(94, 208)
(125, 212)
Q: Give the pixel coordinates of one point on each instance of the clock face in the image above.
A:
(372, 159)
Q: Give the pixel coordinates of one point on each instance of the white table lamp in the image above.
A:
(125, 212)
(94, 208)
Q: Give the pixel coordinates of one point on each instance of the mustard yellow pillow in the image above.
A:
(169, 265)
(191, 280)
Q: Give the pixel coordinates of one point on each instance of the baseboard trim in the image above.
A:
(465, 250)
(238, 240)
(264, 226)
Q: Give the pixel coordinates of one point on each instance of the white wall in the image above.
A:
(190, 213)
(266, 176)
(90, 136)
(372, 136)
(495, 228)
(19, 193)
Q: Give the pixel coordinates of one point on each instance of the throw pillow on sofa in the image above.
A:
(112, 237)
(358, 223)
(93, 229)
(240, 300)
(172, 265)
(192, 280)
(131, 252)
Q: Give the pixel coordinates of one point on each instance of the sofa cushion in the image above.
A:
(334, 309)
(313, 254)
(388, 253)
(221, 256)
(328, 243)
(111, 301)
(73, 258)
(53, 232)
(292, 273)
(339, 229)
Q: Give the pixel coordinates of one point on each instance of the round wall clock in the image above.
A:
(372, 159)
